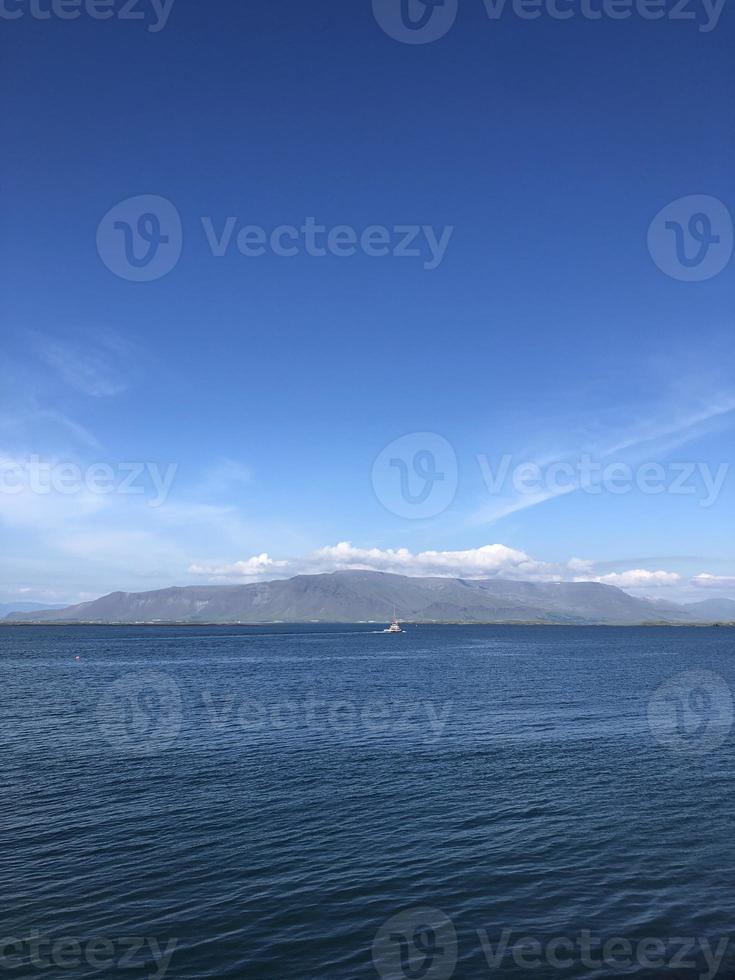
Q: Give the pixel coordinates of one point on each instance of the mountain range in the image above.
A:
(363, 596)
(16, 607)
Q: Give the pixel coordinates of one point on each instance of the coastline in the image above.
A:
(334, 622)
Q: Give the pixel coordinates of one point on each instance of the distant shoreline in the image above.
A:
(343, 597)
(330, 622)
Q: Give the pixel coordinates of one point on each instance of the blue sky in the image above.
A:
(550, 328)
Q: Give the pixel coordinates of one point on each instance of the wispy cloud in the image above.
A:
(649, 439)
(97, 363)
(32, 425)
(223, 477)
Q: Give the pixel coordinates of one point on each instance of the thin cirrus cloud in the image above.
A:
(98, 364)
(30, 424)
(223, 477)
(648, 440)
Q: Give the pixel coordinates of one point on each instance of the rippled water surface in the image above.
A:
(268, 798)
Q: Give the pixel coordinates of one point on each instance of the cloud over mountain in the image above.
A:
(485, 562)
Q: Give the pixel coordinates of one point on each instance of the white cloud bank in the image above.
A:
(491, 560)
(488, 561)
(635, 578)
(250, 568)
(705, 581)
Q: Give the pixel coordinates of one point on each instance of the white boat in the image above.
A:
(394, 625)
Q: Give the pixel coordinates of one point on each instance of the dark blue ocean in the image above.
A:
(326, 803)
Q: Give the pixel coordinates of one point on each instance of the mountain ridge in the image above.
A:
(367, 596)
(24, 606)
